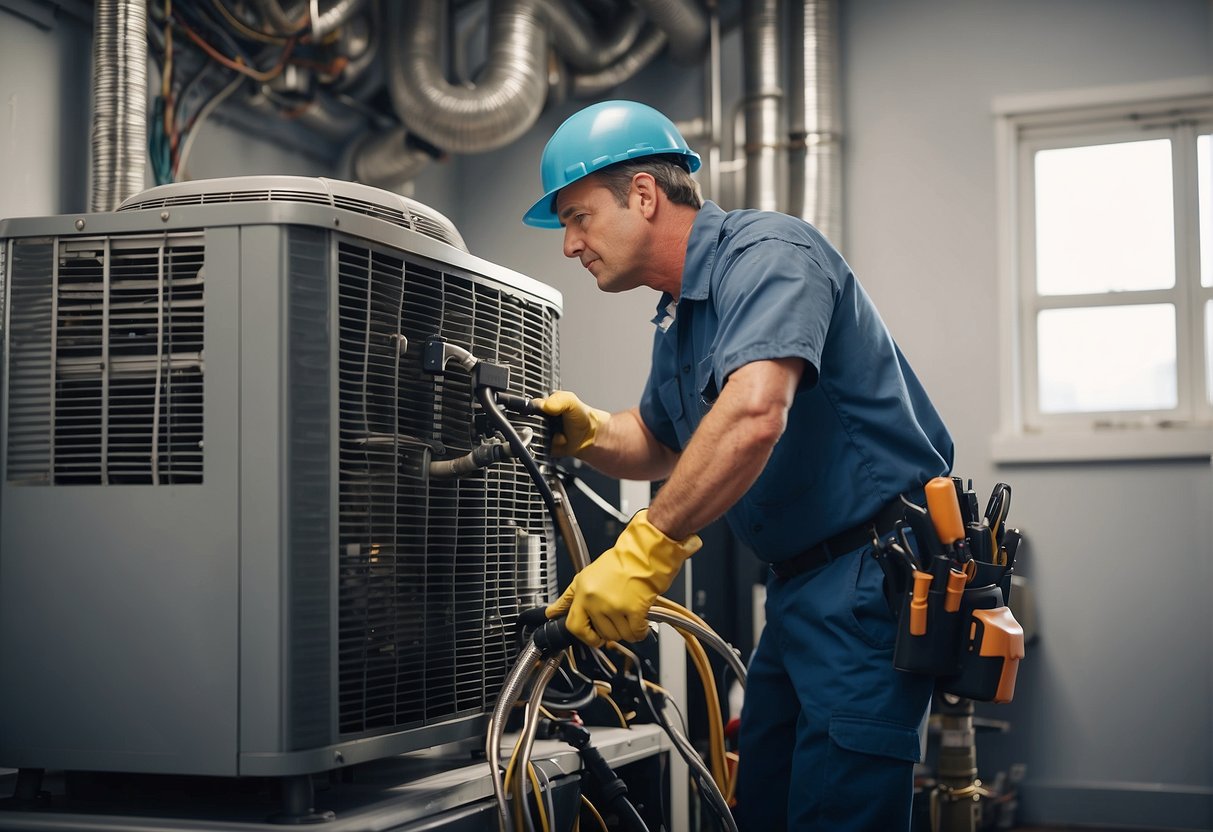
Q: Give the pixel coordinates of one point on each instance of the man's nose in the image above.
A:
(573, 246)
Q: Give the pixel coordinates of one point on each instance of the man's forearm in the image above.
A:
(626, 449)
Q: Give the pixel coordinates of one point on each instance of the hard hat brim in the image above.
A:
(543, 213)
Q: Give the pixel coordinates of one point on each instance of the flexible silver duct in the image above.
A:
(685, 25)
(503, 104)
(763, 99)
(385, 161)
(582, 47)
(593, 84)
(814, 140)
(119, 129)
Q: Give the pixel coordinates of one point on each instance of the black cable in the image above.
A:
(488, 400)
(706, 787)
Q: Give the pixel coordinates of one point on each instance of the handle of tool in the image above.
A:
(955, 589)
(944, 509)
(918, 603)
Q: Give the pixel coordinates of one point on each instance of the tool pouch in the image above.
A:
(973, 646)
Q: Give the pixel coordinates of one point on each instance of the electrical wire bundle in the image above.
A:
(550, 645)
(206, 51)
(539, 666)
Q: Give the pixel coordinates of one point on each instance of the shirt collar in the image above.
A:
(701, 251)
(697, 267)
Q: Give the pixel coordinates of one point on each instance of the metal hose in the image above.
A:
(119, 130)
(510, 691)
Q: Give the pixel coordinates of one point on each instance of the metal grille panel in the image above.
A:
(107, 361)
(432, 572)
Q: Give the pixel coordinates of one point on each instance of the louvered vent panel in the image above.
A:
(432, 572)
(31, 323)
(107, 357)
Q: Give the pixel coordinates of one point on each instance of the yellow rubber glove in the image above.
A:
(609, 600)
(581, 423)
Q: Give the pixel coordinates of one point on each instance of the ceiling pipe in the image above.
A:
(119, 91)
(814, 138)
(763, 99)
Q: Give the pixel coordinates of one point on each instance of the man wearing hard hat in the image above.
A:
(777, 399)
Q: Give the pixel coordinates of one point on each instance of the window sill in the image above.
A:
(1103, 445)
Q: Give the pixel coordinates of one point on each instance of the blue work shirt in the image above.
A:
(760, 285)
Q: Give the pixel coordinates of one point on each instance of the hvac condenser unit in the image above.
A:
(222, 551)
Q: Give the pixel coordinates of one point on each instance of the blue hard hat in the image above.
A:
(600, 135)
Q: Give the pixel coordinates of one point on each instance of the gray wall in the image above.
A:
(1113, 717)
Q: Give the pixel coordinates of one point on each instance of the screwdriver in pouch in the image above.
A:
(944, 509)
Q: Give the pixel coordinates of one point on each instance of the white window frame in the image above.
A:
(1181, 109)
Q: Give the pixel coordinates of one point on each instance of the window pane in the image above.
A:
(1107, 358)
(1204, 175)
(1104, 218)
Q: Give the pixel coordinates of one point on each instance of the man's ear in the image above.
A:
(645, 191)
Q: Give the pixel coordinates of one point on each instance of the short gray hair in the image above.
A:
(667, 171)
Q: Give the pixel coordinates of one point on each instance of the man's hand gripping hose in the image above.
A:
(610, 599)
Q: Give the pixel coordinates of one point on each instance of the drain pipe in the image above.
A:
(119, 129)
(814, 138)
(763, 98)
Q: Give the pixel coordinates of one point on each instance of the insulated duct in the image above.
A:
(503, 104)
(119, 130)
(814, 141)
(763, 98)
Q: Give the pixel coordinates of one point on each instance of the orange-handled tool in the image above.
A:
(945, 511)
(955, 589)
(918, 603)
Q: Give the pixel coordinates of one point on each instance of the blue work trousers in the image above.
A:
(829, 729)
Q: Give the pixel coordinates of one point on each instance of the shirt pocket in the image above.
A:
(670, 393)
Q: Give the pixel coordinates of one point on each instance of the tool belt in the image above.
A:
(949, 592)
(847, 540)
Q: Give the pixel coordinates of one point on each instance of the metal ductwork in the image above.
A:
(584, 49)
(385, 160)
(814, 140)
(684, 23)
(119, 131)
(504, 103)
(763, 100)
(594, 84)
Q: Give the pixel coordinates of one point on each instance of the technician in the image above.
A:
(778, 399)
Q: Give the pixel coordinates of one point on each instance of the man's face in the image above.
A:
(605, 236)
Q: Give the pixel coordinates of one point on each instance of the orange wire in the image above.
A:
(238, 65)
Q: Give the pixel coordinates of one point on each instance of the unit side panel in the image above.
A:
(118, 617)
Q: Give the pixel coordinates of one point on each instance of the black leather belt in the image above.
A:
(847, 540)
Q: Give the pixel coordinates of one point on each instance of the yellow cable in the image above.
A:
(699, 658)
(605, 694)
(715, 722)
(543, 812)
(594, 811)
